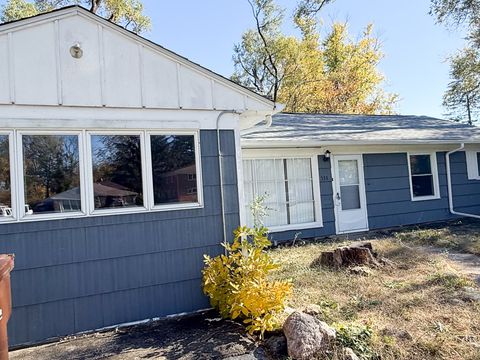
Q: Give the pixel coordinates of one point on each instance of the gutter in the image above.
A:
(449, 185)
(268, 123)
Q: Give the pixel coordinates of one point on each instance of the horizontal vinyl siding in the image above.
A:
(388, 195)
(74, 275)
(388, 192)
(466, 193)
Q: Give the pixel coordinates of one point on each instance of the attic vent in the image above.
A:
(76, 51)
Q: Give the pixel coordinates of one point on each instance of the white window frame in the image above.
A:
(434, 169)
(13, 177)
(17, 189)
(21, 196)
(280, 155)
(91, 193)
(198, 167)
(473, 172)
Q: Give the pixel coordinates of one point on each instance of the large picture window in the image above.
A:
(72, 173)
(423, 176)
(5, 182)
(51, 174)
(288, 187)
(174, 169)
(117, 171)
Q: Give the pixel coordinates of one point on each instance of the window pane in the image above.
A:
(117, 171)
(174, 169)
(422, 185)
(348, 172)
(350, 197)
(5, 195)
(420, 164)
(52, 173)
(302, 213)
(290, 200)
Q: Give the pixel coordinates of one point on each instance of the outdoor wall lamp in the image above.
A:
(326, 155)
(76, 51)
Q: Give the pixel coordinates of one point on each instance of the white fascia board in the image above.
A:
(70, 117)
(38, 19)
(265, 143)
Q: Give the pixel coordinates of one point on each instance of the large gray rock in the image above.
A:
(306, 335)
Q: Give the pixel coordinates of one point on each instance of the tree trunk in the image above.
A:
(358, 254)
(95, 6)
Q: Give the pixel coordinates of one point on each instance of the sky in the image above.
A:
(415, 47)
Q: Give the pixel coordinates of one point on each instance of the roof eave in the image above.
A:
(295, 143)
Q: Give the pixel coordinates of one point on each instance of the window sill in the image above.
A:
(98, 213)
(291, 227)
(424, 198)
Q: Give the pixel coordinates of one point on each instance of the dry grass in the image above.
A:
(463, 236)
(410, 311)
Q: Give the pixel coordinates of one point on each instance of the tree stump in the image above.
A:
(345, 256)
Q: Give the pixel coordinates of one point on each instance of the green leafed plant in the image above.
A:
(238, 284)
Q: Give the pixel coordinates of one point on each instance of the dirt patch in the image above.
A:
(467, 264)
(201, 336)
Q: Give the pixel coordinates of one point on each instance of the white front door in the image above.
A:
(349, 194)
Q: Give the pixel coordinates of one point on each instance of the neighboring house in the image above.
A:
(336, 174)
(83, 105)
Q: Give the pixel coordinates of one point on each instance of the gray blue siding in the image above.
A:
(388, 192)
(75, 275)
(388, 196)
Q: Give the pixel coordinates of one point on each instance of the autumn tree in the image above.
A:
(462, 97)
(335, 74)
(126, 13)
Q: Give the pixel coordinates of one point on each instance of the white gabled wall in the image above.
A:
(117, 70)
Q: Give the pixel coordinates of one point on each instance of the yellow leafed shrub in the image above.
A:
(238, 284)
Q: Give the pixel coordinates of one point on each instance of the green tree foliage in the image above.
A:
(336, 74)
(459, 12)
(462, 97)
(126, 13)
(51, 166)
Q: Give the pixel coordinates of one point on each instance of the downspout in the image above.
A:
(449, 185)
(220, 167)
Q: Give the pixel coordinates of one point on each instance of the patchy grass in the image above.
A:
(411, 311)
(463, 236)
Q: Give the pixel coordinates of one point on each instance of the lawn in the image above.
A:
(412, 310)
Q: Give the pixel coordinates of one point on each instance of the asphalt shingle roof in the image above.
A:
(309, 129)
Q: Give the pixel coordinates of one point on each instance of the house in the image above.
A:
(123, 163)
(95, 123)
(335, 174)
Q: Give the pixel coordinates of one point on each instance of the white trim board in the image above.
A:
(433, 168)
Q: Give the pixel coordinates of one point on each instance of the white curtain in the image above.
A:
(272, 178)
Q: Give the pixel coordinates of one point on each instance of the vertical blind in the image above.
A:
(287, 185)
